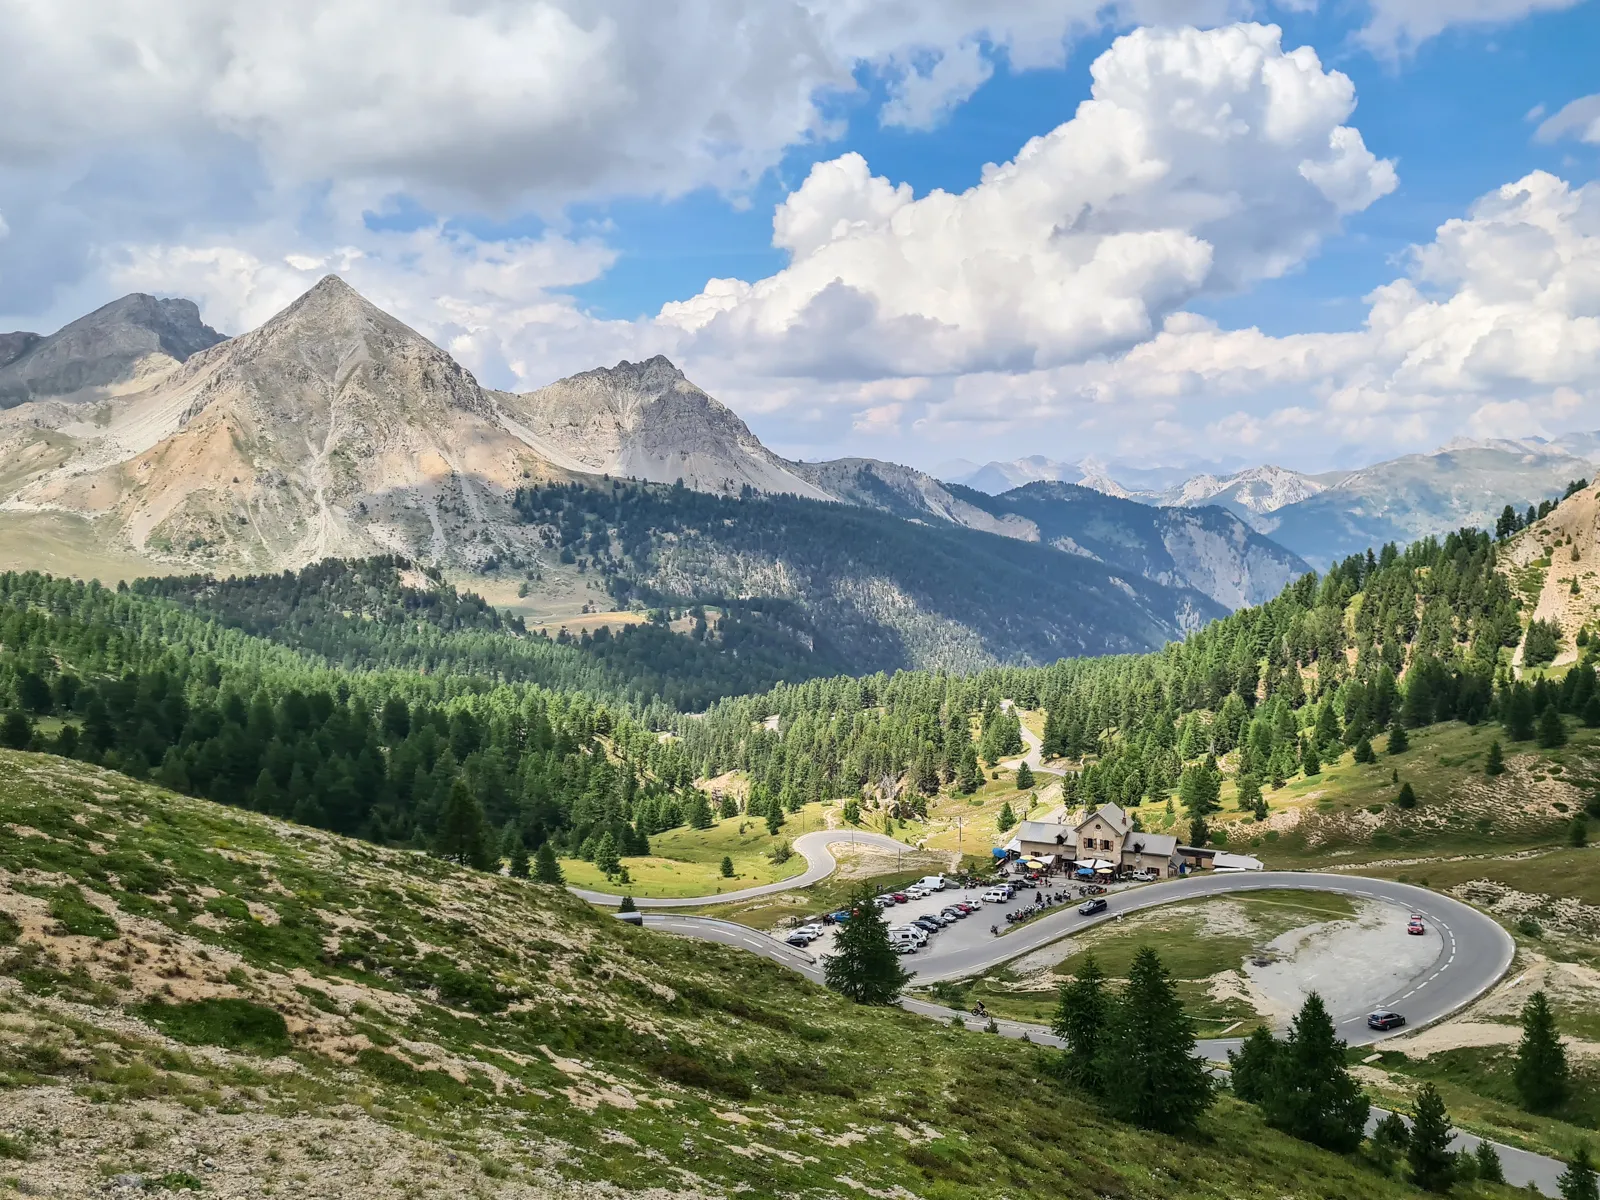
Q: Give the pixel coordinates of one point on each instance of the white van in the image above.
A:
(997, 895)
(933, 883)
(902, 941)
(912, 933)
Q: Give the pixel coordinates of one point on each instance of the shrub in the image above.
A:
(236, 1024)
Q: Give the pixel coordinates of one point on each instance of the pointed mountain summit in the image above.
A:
(648, 421)
(333, 429)
(129, 341)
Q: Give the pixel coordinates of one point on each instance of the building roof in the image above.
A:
(1047, 832)
(1237, 862)
(1114, 817)
(1152, 843)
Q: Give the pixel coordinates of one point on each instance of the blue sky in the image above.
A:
(555, 190)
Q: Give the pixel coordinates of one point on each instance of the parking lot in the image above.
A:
(963, 933)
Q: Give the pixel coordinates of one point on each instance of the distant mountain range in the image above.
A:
(1324, 517)
(334, 430)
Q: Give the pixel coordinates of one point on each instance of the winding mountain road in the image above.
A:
(813, 847)
(1474, 954)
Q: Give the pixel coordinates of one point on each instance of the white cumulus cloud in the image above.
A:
(1203, 161)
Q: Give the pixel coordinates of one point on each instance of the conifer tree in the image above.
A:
(774, 819)
(1517, 713)
(700, 812)
(545, 867)
(1252, 1065)
(1407, 798)
(1310, 763)
(1311, 1094)
(1249, 785)
(463, 831)
(1577, 1182)
(627, 905)
(727, 866)
(606, 856)
(1149, 1049)
(1552, 731)
(864, 966)
(1399, 739)
(1490, 1169)
(1428, 1149)
(1541, 1073)
(1007, 817)
(968, 776)
(1578, 832)
(1363, 751)
(1591, 712)
(519, 859)
(1024, 777)
(1082, 1009)
(1494, 763)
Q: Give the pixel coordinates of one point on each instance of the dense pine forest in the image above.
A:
(1393, 639)
(865, 588)
(351, 696)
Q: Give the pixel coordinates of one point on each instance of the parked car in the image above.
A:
(841, 916)
(1097, 905)
(906, 941)
(915, 893)
(1144, 875)
(1415, 926)
(915, 932)
(927, 923)
(955, 912)
(882, 902)
(934, 883)
(1385, 1018)
(900, 897)
(814, 929)
(800, 938)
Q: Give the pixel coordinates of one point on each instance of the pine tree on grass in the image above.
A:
(1399, 739)
(627, 905)
(463, 831)
(1407, 797)
(1495, 762)
(545, 867)
(1363, 751)
(1024, 777)
(1251, 1066)
(1577, 1182)
(864, 966)
(1490, 1169)
(1082, 1007)
(727, 867)
(1007, 817)
(1428, 1154)
(606, 856)
(1541, 1073)
(1149, 1050)
(1311, 1094)
(1309, 762)
(1552, 731)
(519, 859)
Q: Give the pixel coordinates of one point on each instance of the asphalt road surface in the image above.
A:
(813, 847)
(1474, 952)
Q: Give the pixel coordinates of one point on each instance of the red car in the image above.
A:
(898, 897)
(1415, 926)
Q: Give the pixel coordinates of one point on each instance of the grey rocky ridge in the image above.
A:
(135, 337)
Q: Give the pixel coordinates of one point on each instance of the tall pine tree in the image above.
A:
(1541, 1074)
(1428, 1151)
(1310, 1093)
(1149, 1050)
(1082, 1009)
(864, 966)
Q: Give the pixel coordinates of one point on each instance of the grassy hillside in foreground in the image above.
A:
(215, 1000)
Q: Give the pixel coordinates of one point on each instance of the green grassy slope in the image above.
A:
(204, 996)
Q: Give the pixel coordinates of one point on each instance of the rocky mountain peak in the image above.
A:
(110, 347)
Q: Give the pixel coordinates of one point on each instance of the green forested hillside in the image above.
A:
(873, 590)
(1417, 636)
(388, 612)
